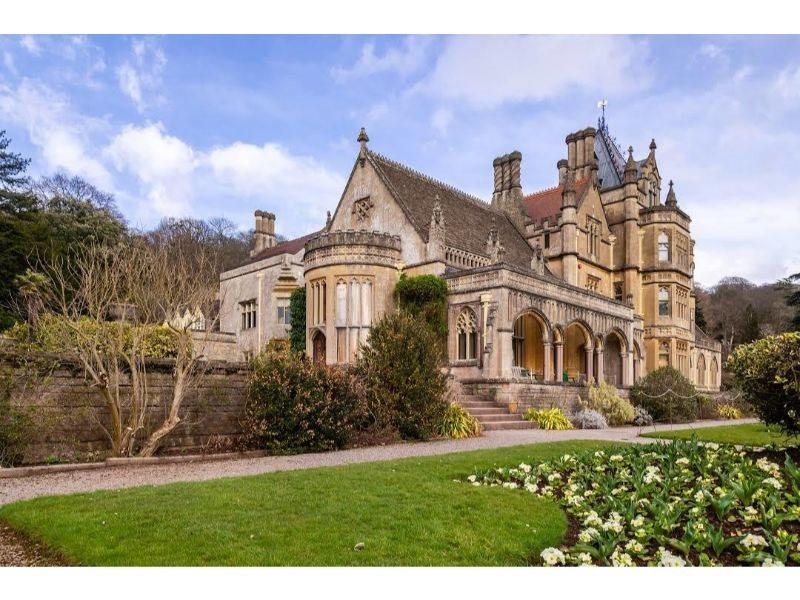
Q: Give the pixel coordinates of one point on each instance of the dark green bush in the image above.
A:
(296, 405)
(400, 368)
(297, 308)
(424, 297)
(667, 395)
(768, 374)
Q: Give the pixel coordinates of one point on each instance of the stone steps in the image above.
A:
(492, 416)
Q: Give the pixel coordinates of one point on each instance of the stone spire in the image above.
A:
(630, 167)
(672, 200)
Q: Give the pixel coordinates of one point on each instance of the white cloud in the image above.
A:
(30, 43)
(61, 134)
(298, 188)
(787, 84)
(486, 71)
(162, 164)
(441, 120)
(8, 62)
(139, 77)
(403, 60)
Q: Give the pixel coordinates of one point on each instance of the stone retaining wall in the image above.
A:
(70, 416)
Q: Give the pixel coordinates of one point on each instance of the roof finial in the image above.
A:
(630, 167)
(672, 200)
(653, 144)
(601, 122)
(363, 138)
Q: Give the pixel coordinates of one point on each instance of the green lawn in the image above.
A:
(406, 512)
(749, 434)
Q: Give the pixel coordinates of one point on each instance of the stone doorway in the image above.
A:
(318, 347)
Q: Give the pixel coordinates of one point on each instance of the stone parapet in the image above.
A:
(361, 247)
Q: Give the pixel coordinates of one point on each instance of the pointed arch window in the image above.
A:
(467, 332)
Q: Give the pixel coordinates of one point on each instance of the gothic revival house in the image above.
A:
(589, 280)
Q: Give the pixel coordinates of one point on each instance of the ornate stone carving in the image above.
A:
(362, 208)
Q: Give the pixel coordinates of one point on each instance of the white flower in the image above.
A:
(637, 521)
(634, 546)
(472, 478)
(554, 477)
(699, 496)
(771, 562)
(599, 454)
(588, 534)
(753, 541)
(525, 468)
(592, 520)
(773, 482)
(615, 458)
(668, 559)
(510, 485)
(620, 559)
(552, 557)
(682, 461)
(585, 558)
(767, 466)
(531, 487)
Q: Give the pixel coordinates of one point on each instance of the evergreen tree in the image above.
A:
(751, 328)
(793, 299)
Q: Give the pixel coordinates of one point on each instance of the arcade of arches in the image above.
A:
(572, 354)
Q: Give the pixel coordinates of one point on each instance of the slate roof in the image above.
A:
(546, 204)
(288, 247)
(467, 218)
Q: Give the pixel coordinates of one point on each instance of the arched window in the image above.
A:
(663, 354)
(663, 247)
(701, 371)
(713, 372)
(663, 302)
(467, 329)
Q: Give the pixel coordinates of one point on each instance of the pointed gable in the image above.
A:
(468, 219)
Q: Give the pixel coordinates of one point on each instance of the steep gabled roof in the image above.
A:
(468, 219)
(546, 204)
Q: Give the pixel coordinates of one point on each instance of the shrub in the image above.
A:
(726, 411)
(425, 298)
(768, 374)
(589, 419)
(405, 387)
(458, 423)
(297, 313)
(667, 395)
(605, 399)
(294, 404)
(16, 425)
(641, 417)
(551, 418)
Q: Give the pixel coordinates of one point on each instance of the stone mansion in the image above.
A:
(589, 280)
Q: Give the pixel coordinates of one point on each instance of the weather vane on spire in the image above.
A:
(601, 104)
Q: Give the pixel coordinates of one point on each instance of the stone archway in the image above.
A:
(530, 345)
(318, 347)
(614, 351)
(701, 370)
(578, 359)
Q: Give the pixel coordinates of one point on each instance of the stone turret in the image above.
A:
(580, 152)
(507, 194)
(569, 228)
(631, 275)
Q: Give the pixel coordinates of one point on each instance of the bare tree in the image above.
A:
(107, 302)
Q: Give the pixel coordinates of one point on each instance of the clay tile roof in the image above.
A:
(467, 218)
(288, 247)
(546, 204)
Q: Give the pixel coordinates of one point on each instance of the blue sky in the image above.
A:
(223, 125)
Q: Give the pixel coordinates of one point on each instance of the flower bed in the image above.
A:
(685, 503)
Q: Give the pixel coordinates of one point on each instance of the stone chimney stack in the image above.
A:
(562, 171)
(580, 153)
(265, 232)
(507, 194)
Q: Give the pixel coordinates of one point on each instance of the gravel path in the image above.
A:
(116, 477)
(16, 551)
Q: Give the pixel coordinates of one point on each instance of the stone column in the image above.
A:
(589, 365)
(548, 361)
(601, 375)
(627, 368)
(559, 370)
